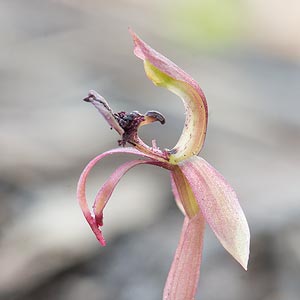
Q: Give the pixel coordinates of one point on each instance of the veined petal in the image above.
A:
(184, 274)
(220, 207)
(165, 73)
(81, 187)
(108, 187)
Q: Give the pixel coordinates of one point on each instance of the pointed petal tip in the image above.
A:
(239, 243)
(100, 237)
(243, 261)
(139, 45)
(238, 247)
(133, 35)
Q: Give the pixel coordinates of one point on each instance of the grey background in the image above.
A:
(52, 53)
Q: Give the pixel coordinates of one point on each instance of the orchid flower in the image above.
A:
(200, 191)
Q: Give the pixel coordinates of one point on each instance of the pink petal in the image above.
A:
(185, 270)
(165, 73)
(108, 187)
(81, 187)
(220, 207)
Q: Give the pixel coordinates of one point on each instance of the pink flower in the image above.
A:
(201, 192)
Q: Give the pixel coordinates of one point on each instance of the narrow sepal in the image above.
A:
(81, 188)
(184, 274)
(108, 187)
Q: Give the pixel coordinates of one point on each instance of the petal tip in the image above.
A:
(138, 45)
(239, 247)
(242, 252)
(99, 236)
(244, 262)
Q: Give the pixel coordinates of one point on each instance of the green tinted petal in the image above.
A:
(166, 74)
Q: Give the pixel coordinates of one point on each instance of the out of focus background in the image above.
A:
(246, 57)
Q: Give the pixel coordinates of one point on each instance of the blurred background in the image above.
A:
(246, 56)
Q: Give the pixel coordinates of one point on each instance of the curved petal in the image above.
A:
(184, 274)
(108, 187)
(165, 73)
(81, 187)
(220, 207)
